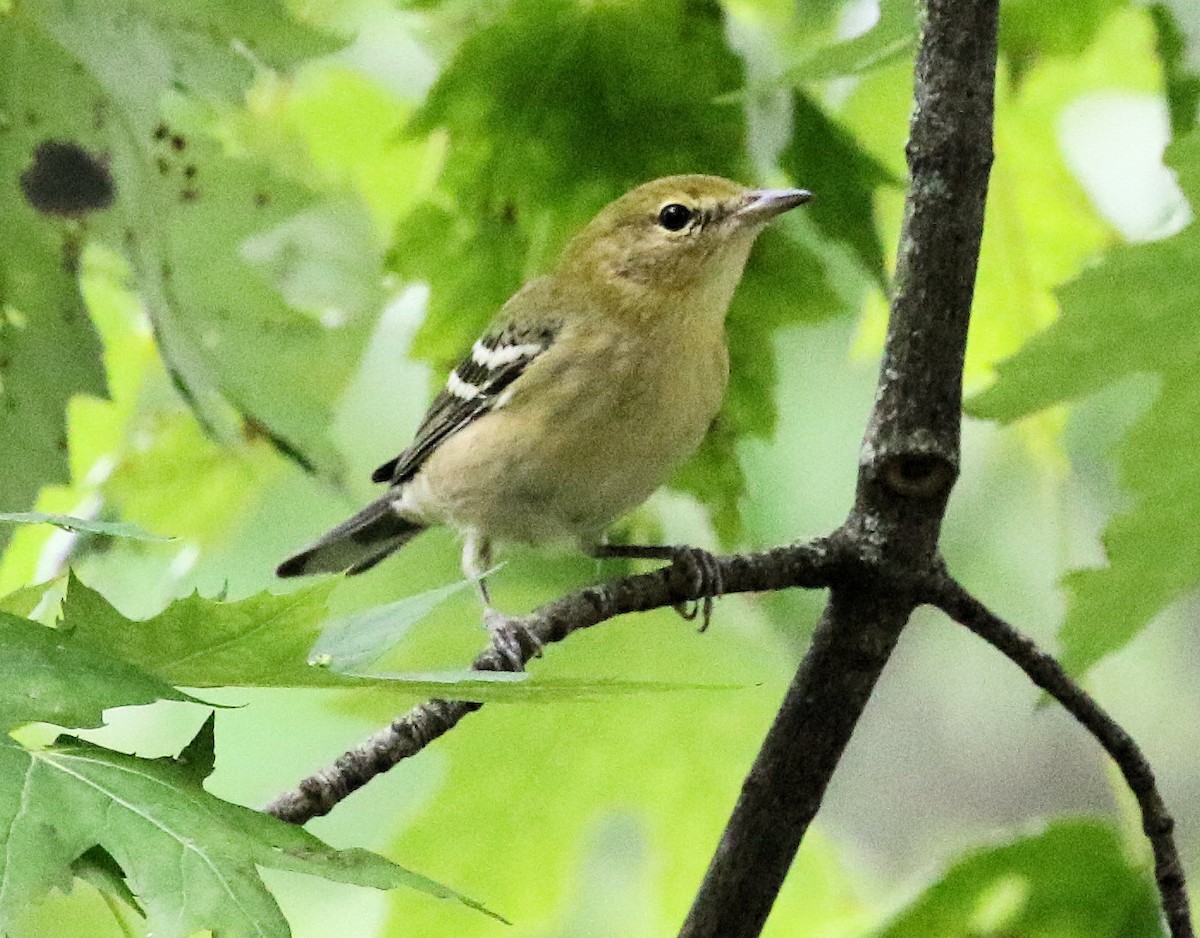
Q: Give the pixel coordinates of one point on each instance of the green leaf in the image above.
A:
(264, 641)
(48, 348)
(82, 525)
(1135, 313)
(1182, 80)
(191, 859)
(23, 601)
(824, 157)
(261, 641)
(48, 675)
(891, 38)
(1032, 29)
(623, 89)
(351, 644)
(183, 209)
(1070, 881)
(522, 687)
(1042, 229)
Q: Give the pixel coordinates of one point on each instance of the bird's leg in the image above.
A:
(697, 569)
(514, 641)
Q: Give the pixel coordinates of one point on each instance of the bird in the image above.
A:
(591, 385)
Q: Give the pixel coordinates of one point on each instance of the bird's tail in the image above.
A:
(357, 544)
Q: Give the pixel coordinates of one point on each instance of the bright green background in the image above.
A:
(319, 204)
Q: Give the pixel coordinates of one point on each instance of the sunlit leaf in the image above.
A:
(1041, 228)
(261, 641)
(1133, 313)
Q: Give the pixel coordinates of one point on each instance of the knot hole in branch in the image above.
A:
(917, 475)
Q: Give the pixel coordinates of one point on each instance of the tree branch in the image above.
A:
(949, 596)
(814, 564)
(907, 466)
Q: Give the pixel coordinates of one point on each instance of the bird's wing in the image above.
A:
(473, 389)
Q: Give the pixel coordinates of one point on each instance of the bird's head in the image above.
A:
(680, 240)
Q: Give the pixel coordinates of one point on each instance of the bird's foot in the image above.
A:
(700, 574)
(513, 640)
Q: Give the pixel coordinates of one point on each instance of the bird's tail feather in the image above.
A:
(357, 544)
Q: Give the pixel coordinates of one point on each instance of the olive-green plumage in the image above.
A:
(588, 390)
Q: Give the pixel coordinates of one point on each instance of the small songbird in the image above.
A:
(586, 392)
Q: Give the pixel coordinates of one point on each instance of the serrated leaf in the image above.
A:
(82, 525)
(49, 675)
(261, 641)
(1070, 881)
(1133, 313)
(191, 859)
(24, 601)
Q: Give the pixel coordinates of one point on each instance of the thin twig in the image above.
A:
(950, 596)
(814, 564)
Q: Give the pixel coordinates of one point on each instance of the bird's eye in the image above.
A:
(673, 217)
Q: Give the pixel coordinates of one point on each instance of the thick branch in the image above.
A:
(815, 564)
(907, 466)
(1046, 673)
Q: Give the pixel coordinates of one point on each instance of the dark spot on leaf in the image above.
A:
(509, 213)
(165, 270)
(189, 171)
(188, 195)
(32, 118)
(163, 165)
(61, 443)
(160, 132)
(178, 142)
(65, 179)
(261, 199)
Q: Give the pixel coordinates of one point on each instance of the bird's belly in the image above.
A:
(534, 473)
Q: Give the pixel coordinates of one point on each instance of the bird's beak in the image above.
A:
(764, 204)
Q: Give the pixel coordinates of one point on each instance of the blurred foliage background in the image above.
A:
(314, 207)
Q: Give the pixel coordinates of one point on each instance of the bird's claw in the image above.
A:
(514, 641)
(700, 575)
